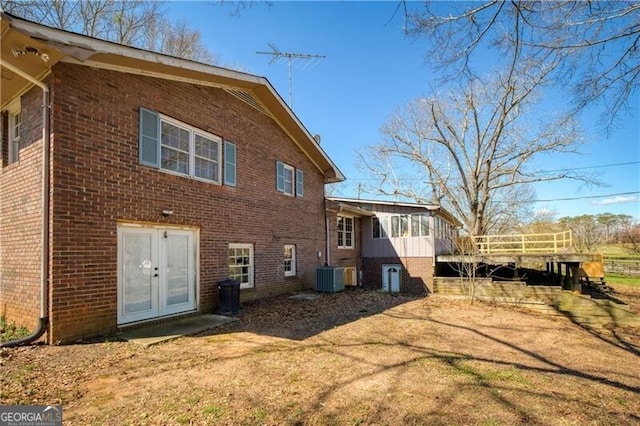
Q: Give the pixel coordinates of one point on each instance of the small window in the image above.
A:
(241, 264)
(379, 226)
(284, 178)
(345, 232)
(289, 260)
(14, 127)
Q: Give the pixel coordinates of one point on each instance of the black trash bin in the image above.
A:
(229, 292)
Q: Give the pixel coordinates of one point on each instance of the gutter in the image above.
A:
(44, 261)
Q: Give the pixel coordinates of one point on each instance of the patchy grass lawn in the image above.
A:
(622, 279)
(354, 358)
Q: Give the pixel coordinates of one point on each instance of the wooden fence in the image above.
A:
(523, 243)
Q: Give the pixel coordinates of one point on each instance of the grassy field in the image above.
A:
(622, 279)
(616, 251)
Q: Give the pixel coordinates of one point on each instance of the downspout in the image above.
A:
(44, 261)
(326, 232)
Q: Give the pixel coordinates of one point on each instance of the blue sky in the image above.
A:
(370, 68)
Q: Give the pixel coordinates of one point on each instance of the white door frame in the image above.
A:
(158, 271)
(389, 275)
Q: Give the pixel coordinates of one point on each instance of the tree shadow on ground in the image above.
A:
(605, 317)
(299, 318)
(466, 364)
(472, 372)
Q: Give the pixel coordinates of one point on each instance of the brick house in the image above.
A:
(160, 178)
(393, 245)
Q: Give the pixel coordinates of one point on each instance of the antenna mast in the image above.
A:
(277, 54)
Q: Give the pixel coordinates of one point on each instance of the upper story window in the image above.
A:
(299, 183)
(380, 227)
(443, 229)
(400, 226)
(288, 180)
(284, 178)
(177, 147)
(419, 225)
(229, 164)
(14, 126)
(345, 232)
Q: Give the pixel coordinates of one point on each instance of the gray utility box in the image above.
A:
(329, 279)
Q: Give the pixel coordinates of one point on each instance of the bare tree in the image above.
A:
(238, 7)
(589, 47)
(472, 150)
(176, 40)
(629, 235)
(586, 232)
(138, 23)
(610, 224)
(467, 267)
(541, 222)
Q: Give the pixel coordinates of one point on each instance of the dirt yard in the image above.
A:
(352, 358)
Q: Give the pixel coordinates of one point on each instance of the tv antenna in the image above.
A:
(290, 57)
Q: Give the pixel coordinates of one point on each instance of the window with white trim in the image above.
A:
(176, 147)
(419, 225)
(241, 264)
(345, 232)
(400, 226)
(14, 125)
(289, 260)
(289, 179)
(284, 178)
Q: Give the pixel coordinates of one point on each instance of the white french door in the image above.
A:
(156, 272)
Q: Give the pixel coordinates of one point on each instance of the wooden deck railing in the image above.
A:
(523, 243)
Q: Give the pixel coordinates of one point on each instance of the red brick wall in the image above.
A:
(21, 218)
(98, 181)
(416, 277)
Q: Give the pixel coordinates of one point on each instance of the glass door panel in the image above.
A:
(177, 282)
(138, 275)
